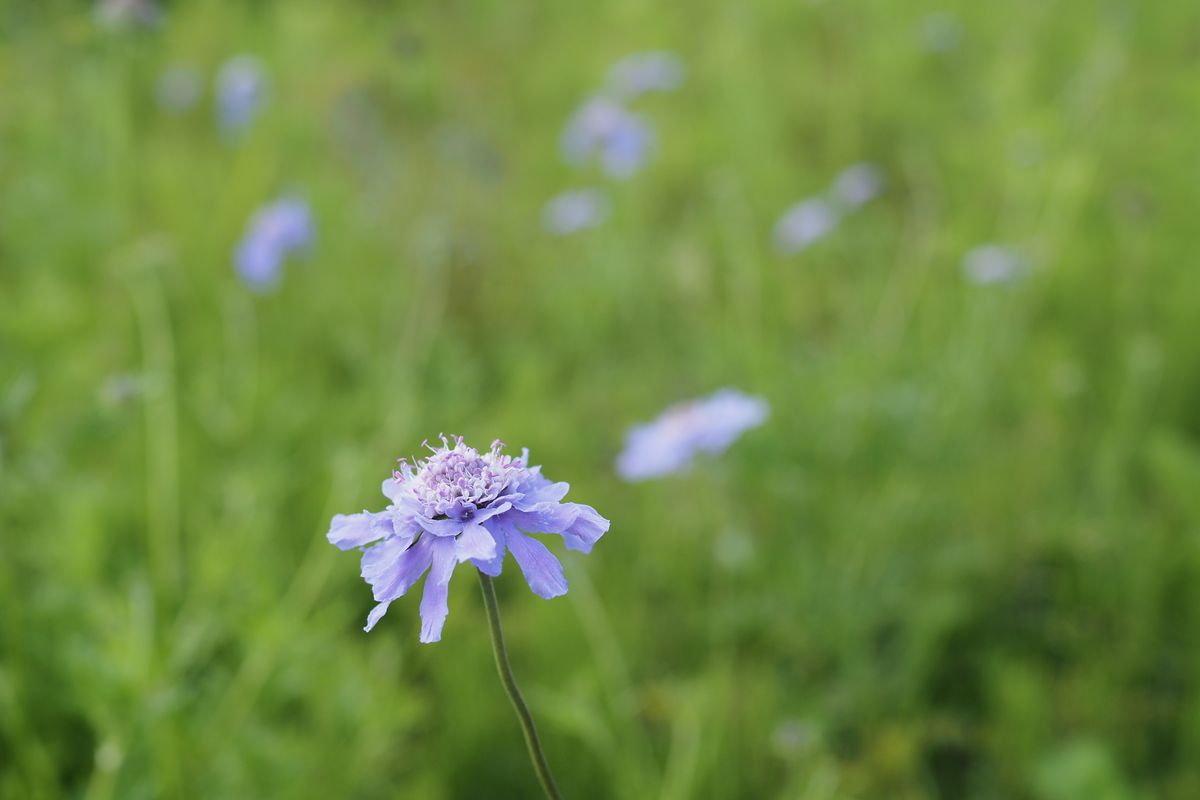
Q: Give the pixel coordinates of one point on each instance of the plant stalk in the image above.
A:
(545, 777)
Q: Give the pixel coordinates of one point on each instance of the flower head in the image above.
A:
(459, 505)
(994, 263)
(637, 74)
(574, 211)
(241, 89)
(605, 130)
(275, 232)
(804, 224)
(857, 185)
(707, 425)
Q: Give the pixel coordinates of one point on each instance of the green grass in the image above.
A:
(961, 560)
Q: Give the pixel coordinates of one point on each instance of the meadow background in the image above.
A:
(960, 560)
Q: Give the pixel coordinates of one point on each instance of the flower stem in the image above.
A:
(514, 694)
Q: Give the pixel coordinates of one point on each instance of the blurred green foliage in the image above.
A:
(961, 560)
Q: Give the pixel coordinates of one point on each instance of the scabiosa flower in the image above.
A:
(637, 74)
(574, 211)
(461, 505)
(804, 224)
(707, 425)
(241, 89)
(275, 232)
(605, 130)
(994, 263)
(856, 186)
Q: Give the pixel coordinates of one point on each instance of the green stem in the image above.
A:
(514, 694)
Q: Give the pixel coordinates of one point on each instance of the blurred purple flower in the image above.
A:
(857, 185)
(275, 232)
(118, 13)
(994, 263)
(178, 89)
(241, 89)
(574, 211)
(707, 425)
(605, 130)
(803, 224)
(637, 74)
(459, 505)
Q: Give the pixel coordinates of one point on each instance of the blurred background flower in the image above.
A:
(639, 73)
(275, 232)
(605, 131)
(671, 442)
(804, 224)
(994, 263)
(574, 211)
(241, 91)
(856, 186)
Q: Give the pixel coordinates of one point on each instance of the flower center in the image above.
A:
(457, 481)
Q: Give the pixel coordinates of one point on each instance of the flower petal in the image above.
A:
(491, 511)
(545, 518)
(474, 542)
(352, 530)
(435, 606)
(539, 490)
(441, 527)
(392, 567)
(542, 571)
(376, 614)
(586, 529)
(392, 523)
(392, 489)
(492, 566)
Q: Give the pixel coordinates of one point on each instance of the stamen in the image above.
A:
(455, 481)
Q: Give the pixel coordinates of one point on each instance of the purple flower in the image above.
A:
(275, 232)
(708, 425)
(994, 263)
(857, 185)
(461, 505)
(605, 130)
(241, 89)
(804, 224)
(574, 211)
(640, 73)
